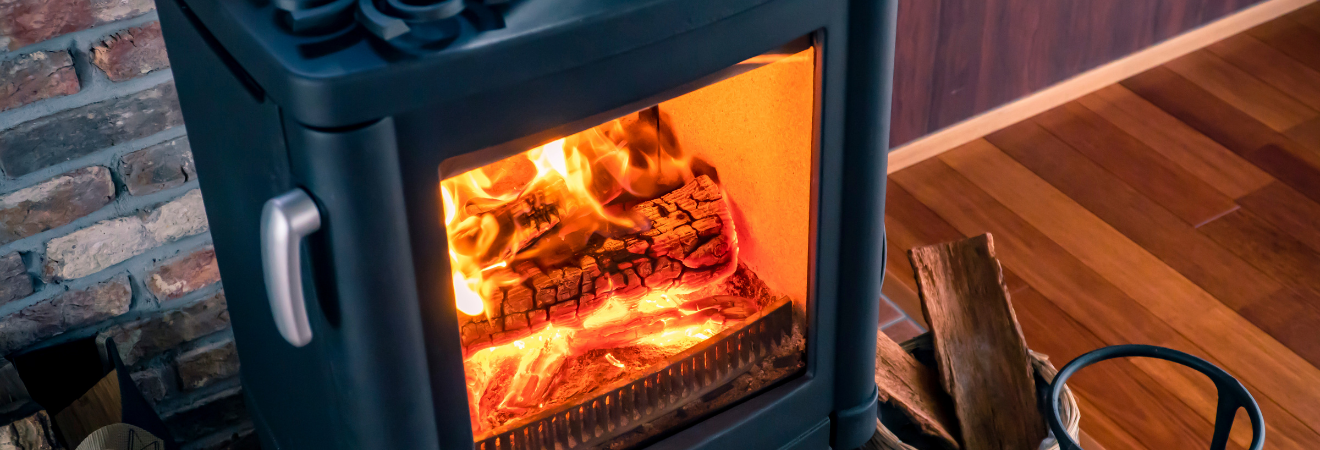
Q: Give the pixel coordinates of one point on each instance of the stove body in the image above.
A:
(361, 124)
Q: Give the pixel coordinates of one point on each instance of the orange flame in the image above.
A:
(585, 172)
(497, 220)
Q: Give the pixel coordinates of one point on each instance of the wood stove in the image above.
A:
(545, 224)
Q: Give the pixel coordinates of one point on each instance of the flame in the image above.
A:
(495, 229)
(469, 302)
(585, 172)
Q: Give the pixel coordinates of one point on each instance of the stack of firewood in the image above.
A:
(982, 392)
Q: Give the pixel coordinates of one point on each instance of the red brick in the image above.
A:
(30, 21)
(207, 416)
(152, 383)
(36, 76)
(144, 338)
(54, 203)
(67, 311)
(131, 53)
(205, 365)
(59, 137)
(15, 282)
(26, 22)
(179, 276)
(159, 167)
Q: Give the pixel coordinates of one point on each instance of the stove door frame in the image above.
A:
(826, 405)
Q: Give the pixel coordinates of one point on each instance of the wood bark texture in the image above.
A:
(982, 357)
(690, 243)
(904, 382)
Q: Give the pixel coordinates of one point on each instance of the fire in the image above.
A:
(468, 301)
(572, 264)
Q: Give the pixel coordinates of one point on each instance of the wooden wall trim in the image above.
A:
(1073, 88)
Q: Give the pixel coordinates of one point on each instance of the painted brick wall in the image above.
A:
(102, 228)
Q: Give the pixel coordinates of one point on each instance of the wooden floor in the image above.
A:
(1180, 208)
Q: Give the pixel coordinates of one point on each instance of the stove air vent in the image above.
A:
(412, 26)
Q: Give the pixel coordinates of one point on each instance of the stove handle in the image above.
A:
(285, 220)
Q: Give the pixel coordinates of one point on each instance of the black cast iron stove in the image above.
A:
(545, 224)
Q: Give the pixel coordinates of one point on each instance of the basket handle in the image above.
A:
(1232, 395)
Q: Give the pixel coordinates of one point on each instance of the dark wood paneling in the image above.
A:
(958, 58)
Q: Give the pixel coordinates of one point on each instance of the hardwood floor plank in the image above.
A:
(1272, 152)
(1285, 430)
(1271, 66)
(1087, 441)
(1110, 314)
(1306, 134)
(1096, 423)
(1217, 166)
(1136, 164)
(1288, 211)
(1291, 38)
(1242, 90)
(1048, 268)
(1249, 353)
(1269, 249)
(1308, 16)
(1292, 318)
(919, 225)
(1121, 391)
(1217, 270)
(910, 224)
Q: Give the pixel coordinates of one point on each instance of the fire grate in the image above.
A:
(686, 377)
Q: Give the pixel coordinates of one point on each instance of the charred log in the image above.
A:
(495, 230)
(690, 243)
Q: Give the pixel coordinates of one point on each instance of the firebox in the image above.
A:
(545, 224)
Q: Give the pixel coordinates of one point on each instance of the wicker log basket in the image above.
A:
(922, 347)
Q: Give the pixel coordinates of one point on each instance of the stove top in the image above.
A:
(331, 54)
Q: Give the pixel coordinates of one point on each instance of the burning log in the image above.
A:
(495, 230)
(690, 243)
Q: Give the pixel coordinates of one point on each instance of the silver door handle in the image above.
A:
(285, 220)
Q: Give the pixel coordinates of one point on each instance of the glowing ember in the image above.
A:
(613, 361)
(575, 264)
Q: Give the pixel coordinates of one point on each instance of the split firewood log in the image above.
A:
(982, 357)
(688, 242)
(914, 389)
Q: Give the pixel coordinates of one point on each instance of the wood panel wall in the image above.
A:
(958, 58)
